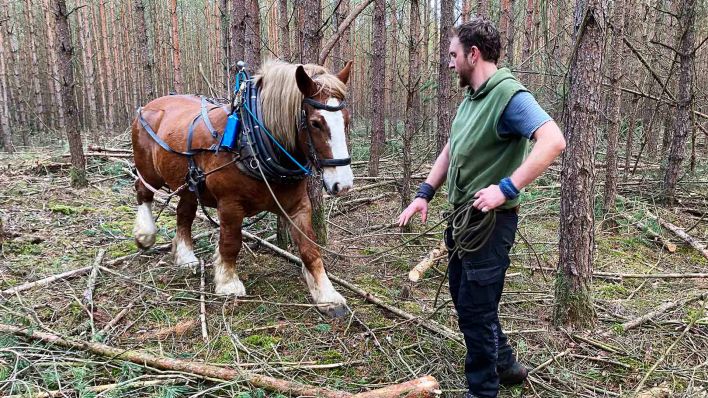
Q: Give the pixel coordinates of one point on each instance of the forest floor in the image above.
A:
(51, 228)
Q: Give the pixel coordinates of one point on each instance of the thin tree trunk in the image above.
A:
(378, 66)
(465, 13)
(34, 69)
(5, 131)
(444, 75)
(284, 27)
(176, 53)
(143, 51)
(482, 8)
(412, 98)
(107, 68)
(528, 34)
(253, 35)
(89, 73)
(573, 302)
(53, 65)
(238, 33)
(684, 97)
(14, 61)
(66, 79)
(614, 70)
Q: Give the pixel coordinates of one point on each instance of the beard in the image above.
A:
(463, 81)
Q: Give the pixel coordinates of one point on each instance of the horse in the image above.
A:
(302, 105)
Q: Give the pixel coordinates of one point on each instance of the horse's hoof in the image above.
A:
(334, 310)
(144, 240)
(233, 288)
(186, 261)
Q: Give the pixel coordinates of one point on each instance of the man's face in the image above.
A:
(459, 62)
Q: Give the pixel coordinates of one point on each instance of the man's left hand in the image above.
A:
(489, 198)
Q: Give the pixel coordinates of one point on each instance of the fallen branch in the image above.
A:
(91, 285)
(103, 334)
(98, 148)
(422, 387)
(548, 362)
(436, 254)
(681, 234)
(45, 281)
(99, 389)
(631, 324)
(341, 29)
(202, 304)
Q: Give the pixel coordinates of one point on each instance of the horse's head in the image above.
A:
(324, 127)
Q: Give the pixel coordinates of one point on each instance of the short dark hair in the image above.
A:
(481, 33)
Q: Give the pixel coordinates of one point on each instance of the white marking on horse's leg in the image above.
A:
(225, 278)
(183, 253)
(341, 175)
(322, 291)
(144, 230)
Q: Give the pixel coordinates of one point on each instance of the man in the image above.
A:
(485, 165)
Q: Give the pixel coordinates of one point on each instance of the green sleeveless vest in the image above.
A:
(479, 157)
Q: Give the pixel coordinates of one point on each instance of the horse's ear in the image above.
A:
(343, 74)
(307, 87)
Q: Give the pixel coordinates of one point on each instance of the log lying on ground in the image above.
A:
(631, 324)
(681, 234)
(423, 387)
(436, 254)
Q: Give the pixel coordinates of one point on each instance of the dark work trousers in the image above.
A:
(476, 284)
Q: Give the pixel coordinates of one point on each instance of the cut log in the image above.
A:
(681, 234)
(660, 310)
(423, 387)
(436, 254)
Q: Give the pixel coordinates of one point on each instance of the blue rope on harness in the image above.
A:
(242, 76)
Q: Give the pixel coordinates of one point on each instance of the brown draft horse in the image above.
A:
(236, 195)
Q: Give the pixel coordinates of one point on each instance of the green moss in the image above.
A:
(122, 248)
(68, 209)
(332, 356)
(263, 341)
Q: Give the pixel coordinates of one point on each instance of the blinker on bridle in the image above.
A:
(319, 163)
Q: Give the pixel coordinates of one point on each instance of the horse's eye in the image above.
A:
(316, 125)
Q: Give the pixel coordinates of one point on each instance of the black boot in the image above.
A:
(514, 375)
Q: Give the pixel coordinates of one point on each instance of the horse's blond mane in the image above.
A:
(281, 99)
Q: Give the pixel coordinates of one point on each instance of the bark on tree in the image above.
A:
(444, 76)
(412, 101)
(58, 120)
(614, 72)
(482, 8)
(684, 97)
(225, 46)
(176, 53)
(66, 79)
(573, 302)
(238, 33)
(465, 13)
(108, 77)
(36, 100)
(143, 51)
(378, 70)
(252, 41)
(89, 77)
(5, 132)
(284, 27)
(528, 33)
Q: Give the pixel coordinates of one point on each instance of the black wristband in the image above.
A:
(425, 191)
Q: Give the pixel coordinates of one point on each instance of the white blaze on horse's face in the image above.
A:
(339, 179)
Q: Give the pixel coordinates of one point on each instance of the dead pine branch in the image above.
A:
(101, 388)
(436, 254)
(180, 329)
(422, 387)
(91, 285)
(45, 281)
(660, 310)
(681, 234)
(202, 304)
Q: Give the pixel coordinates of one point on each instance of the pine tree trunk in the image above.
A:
(465, 13)
(176, 53)
(614, 71)
(412, 98)
(86, 44)
(253, 35)
(378, 69)
(143, 51)
(444, 76)
(5, 131)
(53, 66)
(66, 79)
(528, 34)
(108, 76)
(684, 98)
(225, 46)
(573, 302)
(284, 27)
(482, 8)
(37, 100)
(14, 62)
(238, 33)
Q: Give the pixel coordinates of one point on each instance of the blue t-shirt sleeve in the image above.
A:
(522, 116)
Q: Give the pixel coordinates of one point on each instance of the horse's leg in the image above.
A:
(182, 245)
(328, 300)
(225, 275)
(144, 230)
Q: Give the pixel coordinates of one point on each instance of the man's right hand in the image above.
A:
(417, 205)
